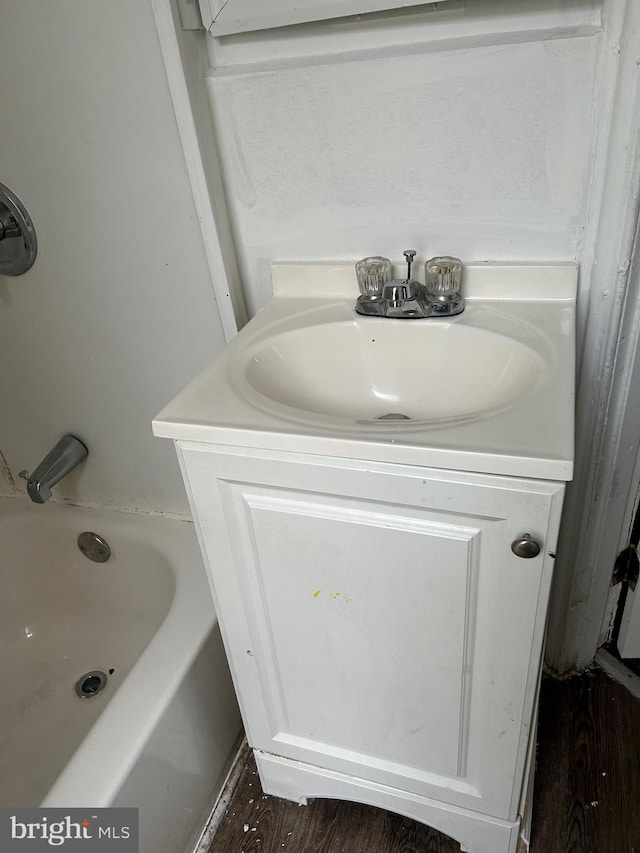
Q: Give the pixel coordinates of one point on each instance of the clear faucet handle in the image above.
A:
(443, 276)
(373, 273)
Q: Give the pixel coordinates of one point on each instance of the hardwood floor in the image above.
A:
(587, 797)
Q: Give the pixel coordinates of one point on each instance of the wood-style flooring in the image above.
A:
(587, 797)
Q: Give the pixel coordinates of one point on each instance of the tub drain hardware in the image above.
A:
(94, 547)
(394, 416)
(91, 683)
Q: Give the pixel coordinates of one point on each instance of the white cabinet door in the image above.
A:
(377, 622)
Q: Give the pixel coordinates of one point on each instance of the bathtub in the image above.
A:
(162, 732)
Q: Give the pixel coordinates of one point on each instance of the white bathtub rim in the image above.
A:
(118, 737)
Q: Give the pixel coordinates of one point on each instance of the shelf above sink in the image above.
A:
(490, 390)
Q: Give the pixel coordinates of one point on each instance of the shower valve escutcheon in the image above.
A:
(406, 298)
(18, 242)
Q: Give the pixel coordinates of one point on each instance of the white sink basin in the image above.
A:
(490, 390)
(364, 370)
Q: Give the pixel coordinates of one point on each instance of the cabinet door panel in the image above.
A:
(378, 624)
(354, 604)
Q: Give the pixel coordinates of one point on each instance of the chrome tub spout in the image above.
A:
(61, 459)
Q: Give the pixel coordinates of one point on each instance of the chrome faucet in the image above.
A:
(61, 459)
(406, 298)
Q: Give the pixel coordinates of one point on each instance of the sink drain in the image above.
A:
(91, 683)
(394, 416)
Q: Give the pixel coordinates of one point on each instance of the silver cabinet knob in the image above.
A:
(525, 547)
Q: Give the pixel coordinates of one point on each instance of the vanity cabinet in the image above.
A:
(384, 639)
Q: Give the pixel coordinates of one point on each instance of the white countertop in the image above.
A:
(533, 304)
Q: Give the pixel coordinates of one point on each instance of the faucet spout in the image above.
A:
(67, 454)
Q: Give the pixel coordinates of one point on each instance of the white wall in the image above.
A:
(118, 312)
(466, 134)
